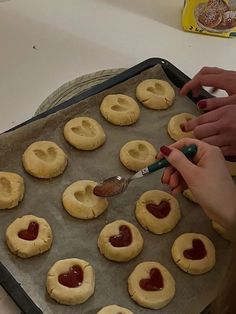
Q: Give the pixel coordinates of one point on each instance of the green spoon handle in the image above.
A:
(188, 151)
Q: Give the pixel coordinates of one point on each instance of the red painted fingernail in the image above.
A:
(162, 179)
(202, 104)
(182, 126)
(165, 150)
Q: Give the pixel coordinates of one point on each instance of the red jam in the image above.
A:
(73, 278)
(31, 233)
(124, 238)
(160, 211)
(197, 252)
(154, 283)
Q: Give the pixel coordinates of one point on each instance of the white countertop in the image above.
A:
(75, 37)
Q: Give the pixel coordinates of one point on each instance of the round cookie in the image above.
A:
(151, 285)
(120, 109)
(71, 281)
(189, 195)
(114, 309)
(220, 230)
(84, 133)
(155, 94)
(138, 154)
(231, 165)
(11, 189)
(174, 126)
(194, 253)
(29, 236)
(120, 241)
(157, 211)
(80, 202)
(44, 159)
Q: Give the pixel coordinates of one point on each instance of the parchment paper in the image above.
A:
(78, 238)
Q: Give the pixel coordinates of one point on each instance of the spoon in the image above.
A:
(116, 185)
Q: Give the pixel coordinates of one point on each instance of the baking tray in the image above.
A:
(175, 75)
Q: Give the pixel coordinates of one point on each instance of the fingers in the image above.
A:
(216, 140)
(206, 130)
(216, 102)
(210, 116)
(174, 179)
(228, 150)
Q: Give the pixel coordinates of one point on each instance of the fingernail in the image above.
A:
(182, 126)
(165, 150)
(162, 179)
(202, 104)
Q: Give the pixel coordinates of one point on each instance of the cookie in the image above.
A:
(151, 285)
(84, 133)
(175, 128)
(231, 165)
(11, 189)
(120, 109)
(71, 281)
(114, 309)
(44, 159)
(120, 241)
(138, 154)
(194, 253)
(29, 236)
(157, 211)
(189, 195)
(155, 94)
(221, 230)
(80, 202)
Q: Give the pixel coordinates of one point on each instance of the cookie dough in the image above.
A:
(120, 241)
(120, 109)
(157, 211)
(114, 309)
(221, 230)
(80, 202)
(231, 165)
(189, 195)
(151, 285)
(44, 159)
(71, 281)
(84, 133)
(11, 189)
(194, 253)
(137, 154)
(29, 236)
(155, 94)
(174, 126)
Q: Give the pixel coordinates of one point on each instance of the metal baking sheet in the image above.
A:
(77, 238)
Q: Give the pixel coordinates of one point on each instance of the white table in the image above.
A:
(48, 42)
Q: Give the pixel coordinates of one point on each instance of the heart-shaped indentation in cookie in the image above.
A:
(159, 211)
(47, 156)
(157, 89)
(124, 238)
(31, 233)
(86, 196)
(139, 152)
(73, 278)
(5, 187)
(86, 129)
(154, 283)
(197, 252)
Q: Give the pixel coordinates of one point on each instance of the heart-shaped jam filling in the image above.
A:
(154, 283)
(160, 211)
(31, 233)
(73, 278)
(124, 238)
(198, 251)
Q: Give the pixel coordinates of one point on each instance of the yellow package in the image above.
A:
(212, 17)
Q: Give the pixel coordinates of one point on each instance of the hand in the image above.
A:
(217, 128)
(213, 77)
(208, 179)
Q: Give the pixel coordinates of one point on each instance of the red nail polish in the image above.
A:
(165, 150)
(202, 104)
(182, 126)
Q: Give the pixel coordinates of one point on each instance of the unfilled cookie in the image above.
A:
(84, 133)
(11, 189)
(194, 253)
(44, 159)
(71, 281)
(151, 285)
(231, 165)
(80, 202)
(120, 241)
(138, 154)
(189, 195)
(157, 211)
(120, 109)
(114, 309)
(175, 129)
(29, 236)
(221, 230)
(155, 94)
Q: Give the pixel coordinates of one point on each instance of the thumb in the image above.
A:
(179, 161)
